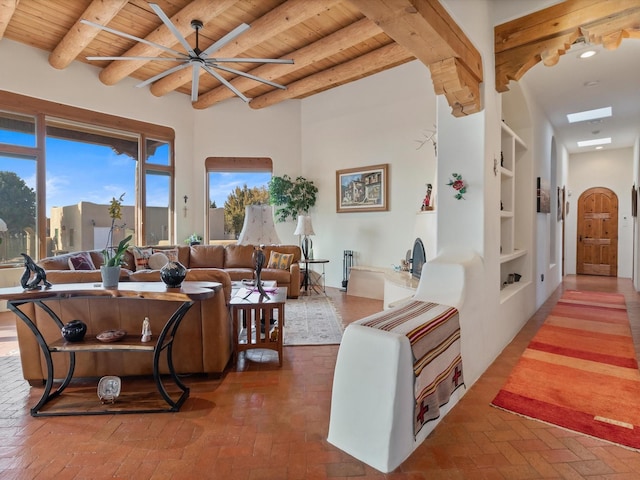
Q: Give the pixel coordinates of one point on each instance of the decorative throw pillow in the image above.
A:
(280, 260)
(141, 256)
(81, 261)
(171, 253)
(158, 260)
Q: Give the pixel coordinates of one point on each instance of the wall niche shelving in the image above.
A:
(513, 248)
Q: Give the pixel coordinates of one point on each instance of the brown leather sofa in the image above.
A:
(203, 343)
(235, 260)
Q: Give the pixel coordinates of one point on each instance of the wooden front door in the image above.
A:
(597, 252)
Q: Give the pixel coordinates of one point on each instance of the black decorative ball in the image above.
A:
(173, 274)
(74, 331)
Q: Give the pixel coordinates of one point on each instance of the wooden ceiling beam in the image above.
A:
(426, 29)
(281, 18)
(547, 34)
(80, 35)
(345, 38)
(611, 30)
(377, 60)
(203, 10)
(462, 90)
(7, 9)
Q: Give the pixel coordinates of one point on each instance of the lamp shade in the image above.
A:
(258, 227)
(304, 226)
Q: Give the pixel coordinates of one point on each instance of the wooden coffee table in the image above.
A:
(252, 314)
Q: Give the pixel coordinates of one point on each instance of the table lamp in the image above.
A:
(258, 227)
(305, 229)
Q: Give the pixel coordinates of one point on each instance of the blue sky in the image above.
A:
(94, 173)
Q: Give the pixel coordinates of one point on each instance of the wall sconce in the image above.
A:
(184, 209)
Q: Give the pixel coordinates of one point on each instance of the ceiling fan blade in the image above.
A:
(195, 80)
(225, 39)
(252, 60)
(222, 80)
(156, 8)
(163, 74)
(248, 75)
(132, 37)
(170, 59)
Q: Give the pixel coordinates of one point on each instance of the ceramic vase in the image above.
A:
(173, 274)
(110, 276)
(74, 331)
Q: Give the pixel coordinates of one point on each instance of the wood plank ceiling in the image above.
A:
(332, 42)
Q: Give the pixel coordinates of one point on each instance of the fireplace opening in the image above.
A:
(418, 258)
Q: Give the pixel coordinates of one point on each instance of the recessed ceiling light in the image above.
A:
(587, 54)
(592, 143)
(599, 147)
(589, 115)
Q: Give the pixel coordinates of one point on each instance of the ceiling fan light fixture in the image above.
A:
(195, 58)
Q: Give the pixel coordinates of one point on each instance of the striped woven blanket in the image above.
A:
(433, 331)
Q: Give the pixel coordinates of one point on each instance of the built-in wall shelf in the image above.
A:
(514, 246)
(512, 256)
(510, 290)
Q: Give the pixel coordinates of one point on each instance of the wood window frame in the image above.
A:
(41, 109)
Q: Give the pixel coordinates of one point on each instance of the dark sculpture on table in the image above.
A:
(259, 258)
(33, 275)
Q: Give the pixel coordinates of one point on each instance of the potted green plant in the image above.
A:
(113, 256)
(193, 239)
(295, 197)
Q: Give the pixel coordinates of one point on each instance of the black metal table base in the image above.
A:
(164, 344)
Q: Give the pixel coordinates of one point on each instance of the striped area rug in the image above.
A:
(580, 371)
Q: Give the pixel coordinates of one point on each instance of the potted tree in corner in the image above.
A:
(293, 197)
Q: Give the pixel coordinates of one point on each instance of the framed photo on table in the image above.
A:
(363, 189)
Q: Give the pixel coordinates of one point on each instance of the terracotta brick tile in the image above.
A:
(259, 421)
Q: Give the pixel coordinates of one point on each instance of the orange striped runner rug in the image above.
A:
(580, 370)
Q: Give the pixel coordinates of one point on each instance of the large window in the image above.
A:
(234, 183)
(68, 163)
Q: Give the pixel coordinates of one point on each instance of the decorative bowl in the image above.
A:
(74, 331)
(111, 335)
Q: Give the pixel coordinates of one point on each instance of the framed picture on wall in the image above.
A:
(543, 196)
(363, 189)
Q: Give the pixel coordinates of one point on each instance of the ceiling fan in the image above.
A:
(196, 58)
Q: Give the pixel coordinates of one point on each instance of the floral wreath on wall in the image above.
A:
(458, 185)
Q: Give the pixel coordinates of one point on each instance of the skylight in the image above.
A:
(597, 141)
(589, 115)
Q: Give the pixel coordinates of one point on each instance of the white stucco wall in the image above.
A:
(377, 120)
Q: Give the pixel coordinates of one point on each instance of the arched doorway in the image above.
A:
(597, 234)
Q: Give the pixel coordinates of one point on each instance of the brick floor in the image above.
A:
(261, 422)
